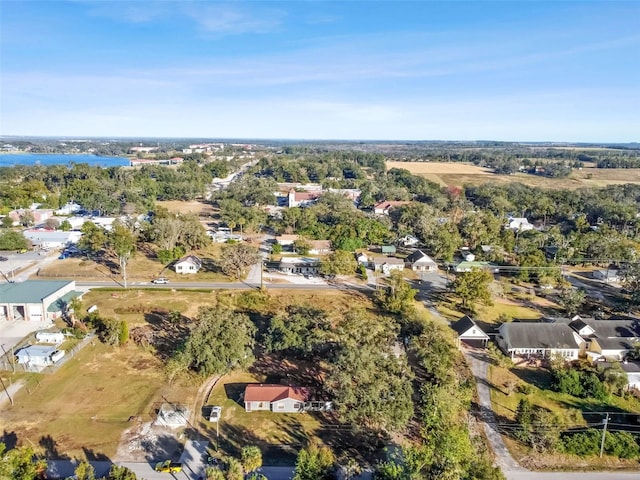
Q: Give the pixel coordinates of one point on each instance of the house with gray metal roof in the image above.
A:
(539, 340)
(36, 300)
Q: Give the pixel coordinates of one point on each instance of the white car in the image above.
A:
(214, 416)
(160, 280)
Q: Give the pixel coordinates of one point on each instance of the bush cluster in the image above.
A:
(579, 383)
(587, 443)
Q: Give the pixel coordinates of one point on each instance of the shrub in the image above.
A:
(583, 444)
(525, 388)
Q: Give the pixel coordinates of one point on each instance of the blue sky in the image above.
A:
(418, 70)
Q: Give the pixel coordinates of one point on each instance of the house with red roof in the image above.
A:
(276, 398)
(383, 208)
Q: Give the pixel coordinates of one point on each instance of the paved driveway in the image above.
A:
(11, 333)
(477, 360)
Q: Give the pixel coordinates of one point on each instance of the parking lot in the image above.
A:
(19, 266)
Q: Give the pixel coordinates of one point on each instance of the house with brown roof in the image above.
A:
(276, 398)
(302, 199)
(383, 208)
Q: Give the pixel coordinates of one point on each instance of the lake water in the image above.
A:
(10, 160)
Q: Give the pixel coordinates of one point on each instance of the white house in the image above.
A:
(539, 340)
(35, 300)
(276, 398)
(302, 265)
(302, 199)
(421, 262)
(607, 276)
(468, 332)
(36, 357)
(386, 265)
(362, 259)
(607, 339)
(188, 264)
(632, 369)
(519, 224)
(68, 209)
(47, 239)
(408, 241)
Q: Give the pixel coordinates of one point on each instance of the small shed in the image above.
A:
(468, 331)
(50, 337)
(388, 249)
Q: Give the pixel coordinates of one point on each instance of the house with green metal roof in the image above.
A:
(36, 300)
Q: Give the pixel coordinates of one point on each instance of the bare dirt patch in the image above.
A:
(457, 168)
(201, 209)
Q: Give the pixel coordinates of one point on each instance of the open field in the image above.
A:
(82, 409)
(459, 174)
(142, 267)
(201, 209)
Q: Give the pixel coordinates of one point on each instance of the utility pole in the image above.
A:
(6, 391)
(604, 431)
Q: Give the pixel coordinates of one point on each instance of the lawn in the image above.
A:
(142, 267)
(83, 408)
(278, 435)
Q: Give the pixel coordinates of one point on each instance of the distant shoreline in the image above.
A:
(13, 159)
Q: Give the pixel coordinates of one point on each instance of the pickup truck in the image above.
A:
(168, 467)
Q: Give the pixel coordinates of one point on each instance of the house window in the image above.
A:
(280, 406)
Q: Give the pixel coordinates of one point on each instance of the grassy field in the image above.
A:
(567, 408)
(142, 267)
(459, 174)
(82, 409)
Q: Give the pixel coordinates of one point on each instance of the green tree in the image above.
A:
(472, 288)
(302, 246)
(221, 341)
(398, 297)
(276, 248)
(302, 329)
(370, 386)
(117, 472)
(314, 463)
(7, 222)
(74, 310)
(236, 258)
(20, 464)
(251, 458)
(85, 471)
(234, 470)
(571, 299)
(123, 243)
(12, 241)
(339, 262)
(93, 238)
(631, 281)
(65, 226)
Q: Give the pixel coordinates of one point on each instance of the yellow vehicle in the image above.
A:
(168, 467)
(22, 250)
